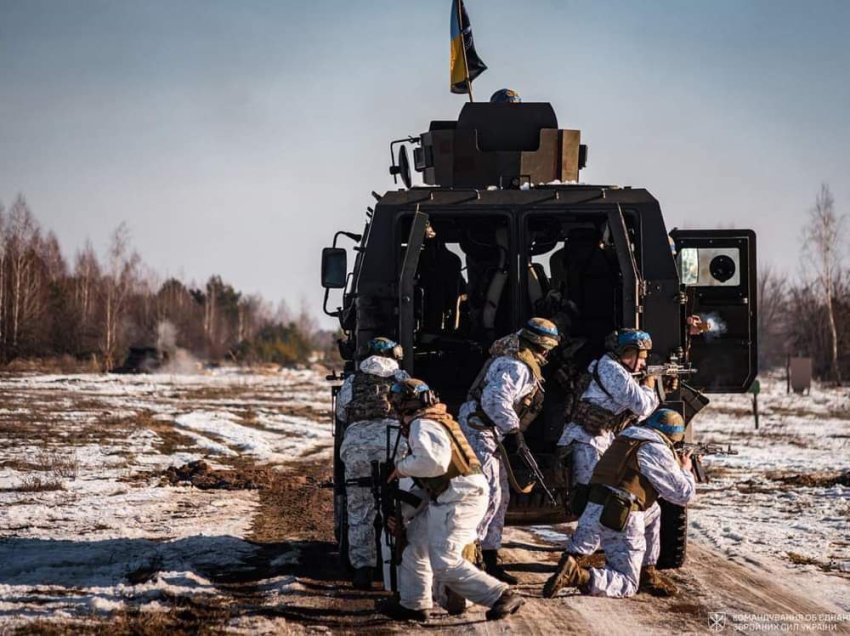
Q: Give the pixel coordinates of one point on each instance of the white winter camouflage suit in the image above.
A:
(507, 381)
(626, 394)
(438, 533)
(638, 544)
(364, 442)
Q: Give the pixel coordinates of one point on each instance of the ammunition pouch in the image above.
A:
(595, 419)
(529, 408)
(616, 506)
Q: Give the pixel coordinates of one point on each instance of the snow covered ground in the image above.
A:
(87, 526)
(85, 521)
(781, 503)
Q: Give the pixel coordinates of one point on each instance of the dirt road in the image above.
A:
(317, 597)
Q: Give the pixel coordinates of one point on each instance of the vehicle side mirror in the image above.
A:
(334, 267)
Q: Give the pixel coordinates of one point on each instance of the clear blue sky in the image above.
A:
(236, 137)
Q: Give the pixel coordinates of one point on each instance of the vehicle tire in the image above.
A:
(674, 535)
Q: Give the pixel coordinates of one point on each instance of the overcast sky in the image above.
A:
(236, 137)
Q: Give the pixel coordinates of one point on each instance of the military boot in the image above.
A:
(362, 579)
(455, 603)
(494, 568)
(568, 574)
(655, 583)
(393, 609)
(508, 603)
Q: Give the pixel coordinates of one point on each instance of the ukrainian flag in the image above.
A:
(461, 31)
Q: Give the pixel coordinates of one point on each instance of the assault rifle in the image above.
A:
(667, 370)
(696, 458)
(389, 498)
(528, 459)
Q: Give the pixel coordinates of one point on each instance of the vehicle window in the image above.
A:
(710, 267)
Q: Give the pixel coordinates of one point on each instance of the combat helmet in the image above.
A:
(669, 422)
(505, 96)
(624, 339)
(540, 332)
(385, 347)
(410, 395)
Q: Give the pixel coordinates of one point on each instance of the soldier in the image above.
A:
(623, 513)
(612, 400)
(505, 398)
(442, 463)
(363, 403)
(505, 96)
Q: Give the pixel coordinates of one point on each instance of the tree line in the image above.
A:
(810, 315)
(93, 308)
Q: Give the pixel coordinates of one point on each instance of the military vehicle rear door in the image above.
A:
(717, 269)
(409, 263)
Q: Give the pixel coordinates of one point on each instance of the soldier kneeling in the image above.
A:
(442, 463)
(639, 466)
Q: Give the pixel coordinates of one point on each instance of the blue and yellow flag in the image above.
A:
(466, 68)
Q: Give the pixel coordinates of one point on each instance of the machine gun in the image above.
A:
(696, 458)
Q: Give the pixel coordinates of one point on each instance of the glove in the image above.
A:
(520, 440)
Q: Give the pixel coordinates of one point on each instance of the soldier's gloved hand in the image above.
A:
(395, 528)
(671, 383)
(520, 439)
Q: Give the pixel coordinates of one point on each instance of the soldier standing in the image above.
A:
(442, 463)
(613, 399)
(363, 404)
(623, 512)
(505, 398)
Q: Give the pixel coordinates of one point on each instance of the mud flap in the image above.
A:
(341, 531)
(386, 556)
(674, 535)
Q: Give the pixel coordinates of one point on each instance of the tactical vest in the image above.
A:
(463, 463)
(596, 419)
(529, 406)
(618, 468)
(369, 397)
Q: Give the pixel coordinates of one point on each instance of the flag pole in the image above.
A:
(463, 48)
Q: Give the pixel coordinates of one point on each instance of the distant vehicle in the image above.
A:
(501, 231)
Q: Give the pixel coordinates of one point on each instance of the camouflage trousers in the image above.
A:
(364, 443)
(625, 552)
(493, 523)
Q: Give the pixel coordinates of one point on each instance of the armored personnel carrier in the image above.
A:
(501, 230)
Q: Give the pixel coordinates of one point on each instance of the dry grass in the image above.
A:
(46, 470)
(184, 618)
(39, 483)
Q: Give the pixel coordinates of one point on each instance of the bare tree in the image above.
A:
(86, 275)
(772, 304)
(24, 235)
(2, 280)
(823, 249)
(119, 281)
